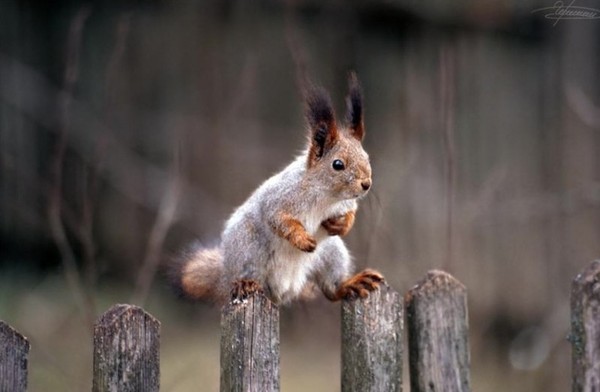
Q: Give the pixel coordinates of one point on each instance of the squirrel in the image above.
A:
(286, 237)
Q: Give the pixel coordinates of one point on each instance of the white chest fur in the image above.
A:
(291, 266)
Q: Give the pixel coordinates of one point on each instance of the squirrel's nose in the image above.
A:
(366, 184)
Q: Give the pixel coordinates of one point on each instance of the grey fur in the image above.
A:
(251, 250)
(310, 191)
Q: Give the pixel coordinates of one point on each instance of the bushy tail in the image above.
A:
(197, 273)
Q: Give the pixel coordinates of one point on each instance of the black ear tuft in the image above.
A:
(354, 110)
(319, 109)
(323, 131)
(319, 139)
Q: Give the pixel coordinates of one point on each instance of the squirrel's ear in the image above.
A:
(323, 131)
(354, 108)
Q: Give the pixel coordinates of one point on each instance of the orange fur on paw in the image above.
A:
(360, 285)
(244, 288)
(303, 241)
(292, 230)
(339, 225)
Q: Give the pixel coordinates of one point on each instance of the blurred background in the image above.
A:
(129, 129)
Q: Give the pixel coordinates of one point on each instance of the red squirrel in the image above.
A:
(287, 235)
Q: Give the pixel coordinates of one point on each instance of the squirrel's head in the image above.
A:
(336, 158)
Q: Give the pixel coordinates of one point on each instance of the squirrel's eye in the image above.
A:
(338, 165)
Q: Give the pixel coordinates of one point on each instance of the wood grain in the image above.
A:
(250, 345)
(437, 324)
(126, 351)
(14, 349)
(372, 342)
(585, 329)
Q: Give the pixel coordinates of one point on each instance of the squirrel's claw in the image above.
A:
(339, 225)
(244, 288)
(335, 226)
(360, 285)
(304, 242)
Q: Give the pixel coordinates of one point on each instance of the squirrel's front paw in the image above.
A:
(339, 225)
(336, 226)
(304, 241)
(360, 284)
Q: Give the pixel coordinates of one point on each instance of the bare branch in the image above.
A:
(94, 166)
(447, 87)
(164, 219)
(83, 299)
(582, 105)
(35, 90)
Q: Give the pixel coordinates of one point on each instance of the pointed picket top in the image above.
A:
(14, 349)
(126, 350)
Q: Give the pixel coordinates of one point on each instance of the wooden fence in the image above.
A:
(126, 342)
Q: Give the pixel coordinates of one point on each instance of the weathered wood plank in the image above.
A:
(250, 345)
(14, 349)
(126, 350)
(585, 329)
(372, 342)
(437, 324)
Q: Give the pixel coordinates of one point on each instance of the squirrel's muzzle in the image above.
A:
(365, 184)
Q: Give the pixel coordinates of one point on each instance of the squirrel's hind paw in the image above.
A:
(360, 285)
(244, 288)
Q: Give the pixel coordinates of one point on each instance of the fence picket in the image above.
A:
(14, 349)
(437, 324)
(250, 345)
(372, 342)
(126, 350)
(585, 329)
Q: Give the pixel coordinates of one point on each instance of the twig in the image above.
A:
(297, 51)
(582, 105)
(83, 298)
(164, 219)
(447, 87)
(35, 88)
(91, 179)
